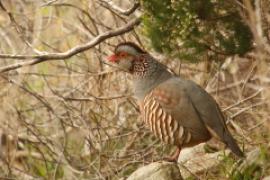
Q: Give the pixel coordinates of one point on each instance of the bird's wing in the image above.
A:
(210, 113)
(194, 109)
(170, 103)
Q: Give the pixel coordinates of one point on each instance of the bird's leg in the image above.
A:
(174, 156)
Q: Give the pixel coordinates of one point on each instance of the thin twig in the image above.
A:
(245, 109)
(243, 100)
(110, 5)
(96, 98)
(71, 52)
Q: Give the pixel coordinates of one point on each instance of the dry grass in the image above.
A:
(76, 119)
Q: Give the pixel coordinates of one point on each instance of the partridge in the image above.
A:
(177, 111)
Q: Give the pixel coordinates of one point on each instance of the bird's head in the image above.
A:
(125, 54)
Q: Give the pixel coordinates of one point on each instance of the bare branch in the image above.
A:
(243, 100)
(96, 98)
(48, 3)
(110, 5)
(71, 52)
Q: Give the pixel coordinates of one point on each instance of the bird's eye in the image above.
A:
(122, 54)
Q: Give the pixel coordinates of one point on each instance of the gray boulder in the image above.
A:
(157, 171)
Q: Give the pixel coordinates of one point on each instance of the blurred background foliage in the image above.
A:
(189, 30)
(75, 118)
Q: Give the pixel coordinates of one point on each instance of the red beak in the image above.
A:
(112, 58)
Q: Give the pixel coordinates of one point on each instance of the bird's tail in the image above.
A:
(231, 143)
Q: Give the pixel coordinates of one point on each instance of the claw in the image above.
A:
(174, 156)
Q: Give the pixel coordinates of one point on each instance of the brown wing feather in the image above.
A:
(173, 118)
(210, 113)
(191, 109)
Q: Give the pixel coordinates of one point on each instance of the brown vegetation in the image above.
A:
(66, 114)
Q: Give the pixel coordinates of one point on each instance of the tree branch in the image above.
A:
(71, 52)
(110, 5)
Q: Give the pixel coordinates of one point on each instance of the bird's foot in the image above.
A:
(174, 157)
(171, 159)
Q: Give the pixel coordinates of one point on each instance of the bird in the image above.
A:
(178, 111)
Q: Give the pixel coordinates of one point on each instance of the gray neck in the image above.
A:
(154, 74)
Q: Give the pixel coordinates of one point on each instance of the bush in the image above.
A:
(189, 29)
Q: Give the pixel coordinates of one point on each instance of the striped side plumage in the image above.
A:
(162, 124)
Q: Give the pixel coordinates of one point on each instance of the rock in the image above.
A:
(251, 158)
(192, 162)
(195, 161)
(157, 171)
